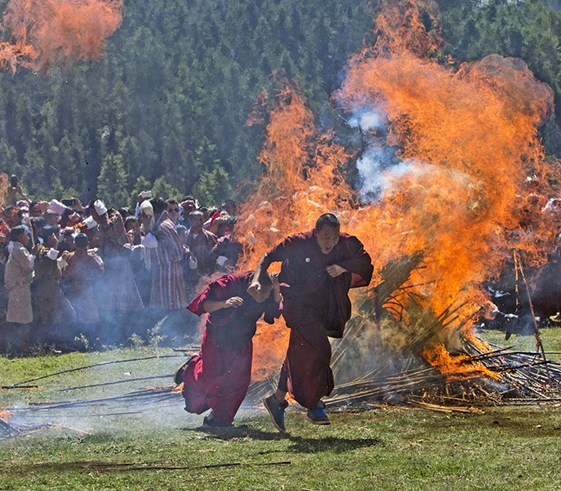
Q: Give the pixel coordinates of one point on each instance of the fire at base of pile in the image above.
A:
(408, 355)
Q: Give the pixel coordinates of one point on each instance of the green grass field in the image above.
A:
(386, 449)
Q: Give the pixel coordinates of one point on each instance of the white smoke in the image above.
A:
(368, 119)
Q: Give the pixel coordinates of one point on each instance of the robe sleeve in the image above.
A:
(24, 260)
(98, 268)
(169, 248)
(221, 289)
(284, 250)
(357, 262)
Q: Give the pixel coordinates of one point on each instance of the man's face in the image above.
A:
(327, 239)
(24, 239)
(52, 241)
(134, 227)
(51, 218)
(188, 207)
(261, 294)
(196, 223)
(173, 212)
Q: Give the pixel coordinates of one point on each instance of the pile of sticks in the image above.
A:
(372, 368)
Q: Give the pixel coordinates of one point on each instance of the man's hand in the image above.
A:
(254, 287)
(35, 250)
(335, 270)
(65, 255)
(234, 302)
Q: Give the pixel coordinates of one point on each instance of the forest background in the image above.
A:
(166, 108)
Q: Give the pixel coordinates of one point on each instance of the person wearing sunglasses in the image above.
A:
(172, 207)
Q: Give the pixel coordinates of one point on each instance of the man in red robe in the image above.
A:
(318, 267)
(218, 378)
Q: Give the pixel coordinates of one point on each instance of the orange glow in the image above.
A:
(471, 188)
(45, 33)
(469, 139)
(5, 415)
(457, 367)
(4, 182)
(301, 182)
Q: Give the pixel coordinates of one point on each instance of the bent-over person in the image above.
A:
(218, 378)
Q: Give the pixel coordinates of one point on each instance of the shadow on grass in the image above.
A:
(299, 444)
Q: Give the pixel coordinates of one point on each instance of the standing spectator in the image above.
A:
(51, 305)
(115, 248)
(18, 276)
(132, 229)
(188, 205)
(82, 269)
(124, 212)
(13, 216)
(172, 208)
(189, 263)
(37, 224)
(143, 197)
(67, 242)
(168, 287)
(200, 242)
(230, 207)
(226, 253)
(51, 217)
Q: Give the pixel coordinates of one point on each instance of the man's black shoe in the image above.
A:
(178, 377)
(210, 422)
(276, 411)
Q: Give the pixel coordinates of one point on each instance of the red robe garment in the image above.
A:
(316, 306)
(219, 376)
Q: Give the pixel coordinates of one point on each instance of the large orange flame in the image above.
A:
(470, 187)
(45, 33)
(302, 181)
(469, 144)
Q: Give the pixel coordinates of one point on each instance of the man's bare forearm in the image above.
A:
(262, 267)
(210, 306)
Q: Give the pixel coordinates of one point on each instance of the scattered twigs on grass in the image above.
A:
(124, 381)
(18, 387)
(102, 364)
(8, 429)
(195, 467)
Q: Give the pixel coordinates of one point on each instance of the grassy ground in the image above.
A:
(392, 449)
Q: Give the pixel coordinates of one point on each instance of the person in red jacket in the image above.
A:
(218, 378)
(318, 267)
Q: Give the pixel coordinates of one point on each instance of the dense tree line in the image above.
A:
(167, 106)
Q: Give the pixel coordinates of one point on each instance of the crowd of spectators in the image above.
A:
(75, 275)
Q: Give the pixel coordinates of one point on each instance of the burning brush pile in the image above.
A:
(453, 188)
